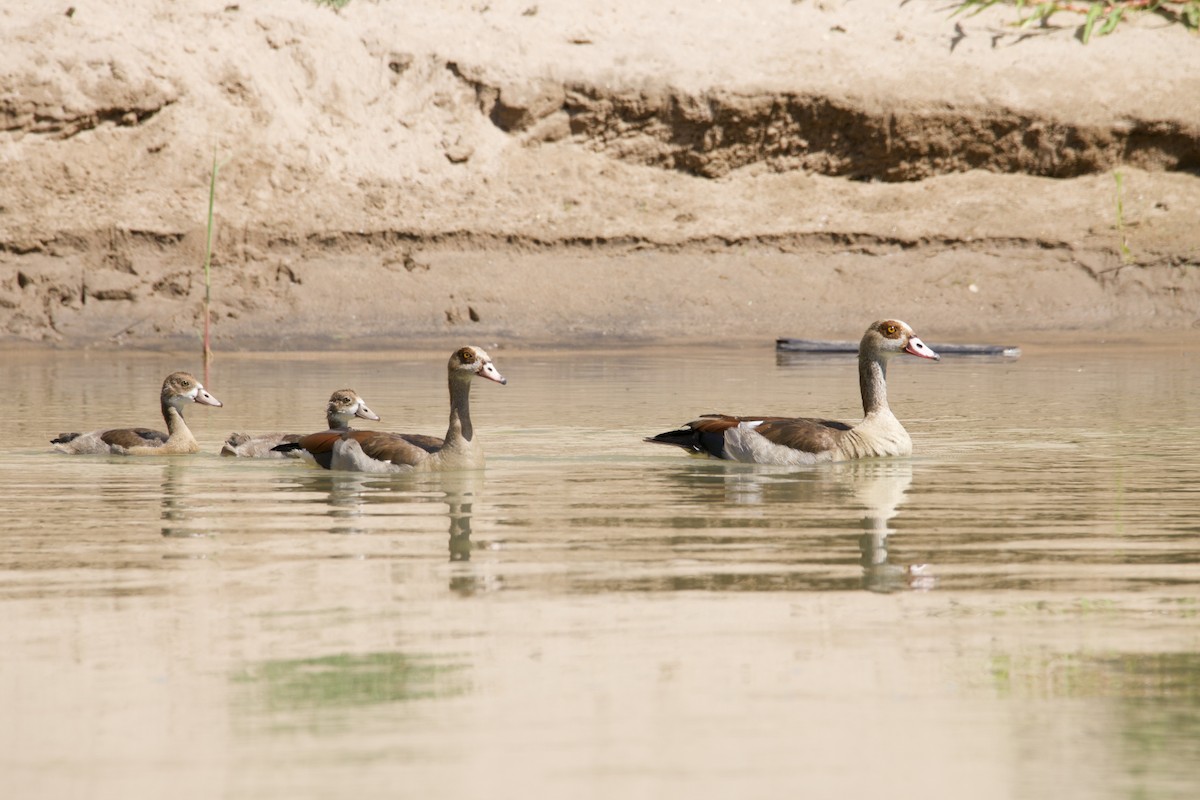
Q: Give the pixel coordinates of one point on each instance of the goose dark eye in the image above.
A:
(466, 355)
(891, 330)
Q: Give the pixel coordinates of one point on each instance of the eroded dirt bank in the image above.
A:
(583, 172)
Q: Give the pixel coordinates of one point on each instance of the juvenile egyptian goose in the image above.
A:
(344, 405)
(178, 389)
(794, 441)
(377, 451)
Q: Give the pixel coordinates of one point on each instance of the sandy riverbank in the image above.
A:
(587, 172)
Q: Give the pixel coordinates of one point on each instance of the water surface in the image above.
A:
(1010, 613)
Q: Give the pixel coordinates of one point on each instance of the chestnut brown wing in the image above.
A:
(712, 423)
(707, 433)
(430, 444)
(403, 449)
(316, 443)
(134, 437)
(407, 448)
(806, 435)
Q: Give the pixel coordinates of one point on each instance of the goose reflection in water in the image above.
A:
(183, 515)
(874, 488)
(347, 495)
(880, 488)
(460, 525)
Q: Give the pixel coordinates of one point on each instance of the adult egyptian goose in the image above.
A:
(377, 451)
(178, 390)
(344, 405)
(794, 441)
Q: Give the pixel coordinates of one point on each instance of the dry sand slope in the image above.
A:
(577, 171)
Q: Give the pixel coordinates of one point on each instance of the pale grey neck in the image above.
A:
(872, 382)
(337, 421)
(174, 419)
(460, 410)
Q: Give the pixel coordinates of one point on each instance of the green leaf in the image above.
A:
(962, 7)
(1111, 22)
(1041, 11)
(984, 6)
(1094, 12)
(979, 7)
(1191, 16)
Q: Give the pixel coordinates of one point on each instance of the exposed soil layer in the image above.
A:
(713, 134)
(583, 172)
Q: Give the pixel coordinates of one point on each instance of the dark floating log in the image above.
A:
(821, 347)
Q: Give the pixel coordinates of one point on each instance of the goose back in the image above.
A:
(807, 440)
(343, 406)
(378, 451)
(178, 390)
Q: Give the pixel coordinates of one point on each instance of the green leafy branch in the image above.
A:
(212, 199)
(1101, 17)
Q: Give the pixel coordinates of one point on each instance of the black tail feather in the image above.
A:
(694, 441)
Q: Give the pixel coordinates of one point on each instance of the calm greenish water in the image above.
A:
(1013, 612)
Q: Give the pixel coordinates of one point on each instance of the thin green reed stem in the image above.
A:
(212, 196)
(1126, 254)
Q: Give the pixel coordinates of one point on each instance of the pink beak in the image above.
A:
(918, 348)
(489, 371)
(204, 398)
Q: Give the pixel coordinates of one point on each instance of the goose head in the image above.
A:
(345, 404)
(467, 362)
(181, 388)
(891, 337)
